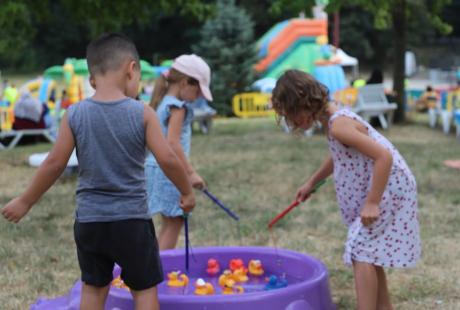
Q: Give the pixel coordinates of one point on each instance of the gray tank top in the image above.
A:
(110, 143)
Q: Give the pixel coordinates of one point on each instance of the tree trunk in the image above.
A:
(399, 28)
(336, 37)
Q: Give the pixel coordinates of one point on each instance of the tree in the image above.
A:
(39, 31)
(359, 38)
(17, 19)
(395, 14)
(227, 44)
(102, 15)
(388, 14)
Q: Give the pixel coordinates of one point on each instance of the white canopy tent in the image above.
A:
(347, 61)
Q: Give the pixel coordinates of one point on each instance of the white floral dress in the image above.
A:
(393, 240)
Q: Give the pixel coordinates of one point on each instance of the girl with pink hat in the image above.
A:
(188, 78)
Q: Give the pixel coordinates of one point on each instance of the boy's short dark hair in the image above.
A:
(109, 52)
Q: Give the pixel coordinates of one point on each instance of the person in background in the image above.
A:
(65, 100)
(11, 94)
(376, 77)
(428, 100)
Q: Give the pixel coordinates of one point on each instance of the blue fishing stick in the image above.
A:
(186, 243)
(221, 205)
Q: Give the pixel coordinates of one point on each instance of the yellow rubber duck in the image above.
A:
(119, 283)
(176, 279)
(240, 275)
(255, 267)
(229, 288)
(203, 288)
(226, 275)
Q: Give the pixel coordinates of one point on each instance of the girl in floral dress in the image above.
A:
(376, 191)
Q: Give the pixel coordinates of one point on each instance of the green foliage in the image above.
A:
(227, 44)
(101, 15)
(358, 36)
(17, 21)
(36, 34)
(13, 38)
(383, 11)
(294, 7)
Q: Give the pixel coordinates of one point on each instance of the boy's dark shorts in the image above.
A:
(131, 244)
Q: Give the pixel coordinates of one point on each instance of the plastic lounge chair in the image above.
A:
(6, 123)
(17, 135)
(373, 102)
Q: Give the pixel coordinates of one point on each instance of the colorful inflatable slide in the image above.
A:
(290, 44)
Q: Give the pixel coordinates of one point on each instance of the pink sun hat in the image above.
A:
(195, 67)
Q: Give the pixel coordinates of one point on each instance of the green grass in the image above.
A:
(255, 169)
(19, 79)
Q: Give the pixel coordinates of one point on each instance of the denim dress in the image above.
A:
(163, 196)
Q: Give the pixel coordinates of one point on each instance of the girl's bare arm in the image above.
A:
(351, 133)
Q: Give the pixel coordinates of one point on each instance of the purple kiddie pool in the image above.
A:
(306, 276)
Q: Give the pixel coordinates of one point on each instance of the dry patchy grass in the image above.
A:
(254, 168)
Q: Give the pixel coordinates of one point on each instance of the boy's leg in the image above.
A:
(137, 254)
(170, 230)
(96, 267)
(93, 297)
(383, 294)
(146, 299)
(366, 285)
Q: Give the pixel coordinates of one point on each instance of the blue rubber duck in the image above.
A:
(275, 283)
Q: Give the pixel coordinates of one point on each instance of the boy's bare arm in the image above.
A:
(48, 172)
(165, 156)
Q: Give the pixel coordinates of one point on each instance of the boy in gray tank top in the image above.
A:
(110, 132)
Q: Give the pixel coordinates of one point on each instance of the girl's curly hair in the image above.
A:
(297, 91)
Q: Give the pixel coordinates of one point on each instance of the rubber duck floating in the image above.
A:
(240, 275)
(235, 264)
(203, 288)
(230, 287)
(213, 267)
(119, 283)
(226, 275)
(255, 267)
(275, 283)
(177, 279)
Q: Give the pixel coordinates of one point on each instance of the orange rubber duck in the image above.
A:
(213, 267)
(203, 288)
(226, 275)
(176, 279)
(240, 275)
(119, 283)
(255, 267)
(229, 287)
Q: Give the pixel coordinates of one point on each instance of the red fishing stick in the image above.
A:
(293, 205)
